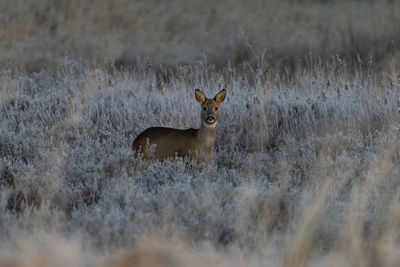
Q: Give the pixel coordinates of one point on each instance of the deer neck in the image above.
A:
(206, 134)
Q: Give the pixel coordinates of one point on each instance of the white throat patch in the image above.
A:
(213, 125)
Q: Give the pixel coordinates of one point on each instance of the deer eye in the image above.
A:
(204, 108)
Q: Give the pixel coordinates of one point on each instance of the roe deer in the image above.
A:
(193, 143)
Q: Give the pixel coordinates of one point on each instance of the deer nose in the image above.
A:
(210, 118)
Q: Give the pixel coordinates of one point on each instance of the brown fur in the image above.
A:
(161, 143)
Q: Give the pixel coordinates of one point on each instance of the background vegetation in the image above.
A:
(40, 34)
(305, 170)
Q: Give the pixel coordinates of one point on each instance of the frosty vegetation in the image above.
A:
(305, 170)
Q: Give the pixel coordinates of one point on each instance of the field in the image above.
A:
(174, 32)
(305, 170)
(306, 165)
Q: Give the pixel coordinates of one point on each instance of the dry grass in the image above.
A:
(305, 170)
(38, 36)
(306, 167)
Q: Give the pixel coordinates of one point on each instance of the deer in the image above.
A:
(162, 143)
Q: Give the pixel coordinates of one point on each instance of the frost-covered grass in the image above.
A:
(305, 170)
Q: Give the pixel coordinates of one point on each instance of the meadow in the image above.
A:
(306, 165)
(305, 170)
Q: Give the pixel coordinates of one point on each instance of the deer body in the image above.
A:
(161, 143)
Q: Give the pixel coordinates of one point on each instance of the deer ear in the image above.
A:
(200, 97)
(220, 97)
